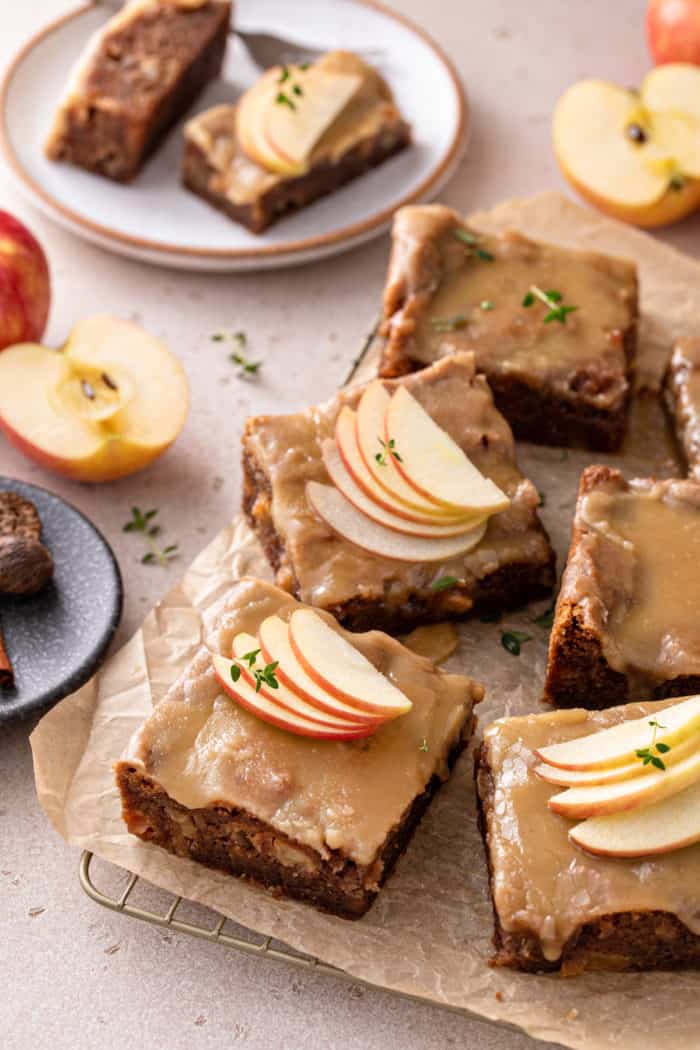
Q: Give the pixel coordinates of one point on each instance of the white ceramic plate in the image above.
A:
(156, 220)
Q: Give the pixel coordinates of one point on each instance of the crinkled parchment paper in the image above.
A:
(429, 932)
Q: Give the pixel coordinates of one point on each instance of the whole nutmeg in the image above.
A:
(25, 565)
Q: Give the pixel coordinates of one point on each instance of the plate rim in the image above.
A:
(78, 678)
(362, 229)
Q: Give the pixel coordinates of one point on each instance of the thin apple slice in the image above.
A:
(276, 646)
(353, 461)
(353, 525)
(612, 774)
(345, 483)
(341, 669)
(370, 426)
(577, 803)
(616, 746)
(250, 125)
(668, 825)
(432, 463)
(269, 711)
(246, 643)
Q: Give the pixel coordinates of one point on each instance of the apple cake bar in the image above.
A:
(553, 330)
(682, 397)
(320, 820)
(378, 564)
(626, 623)
(139, 74)
(298, 134)
(629, 900)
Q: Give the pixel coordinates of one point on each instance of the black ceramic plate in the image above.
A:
(57, 638)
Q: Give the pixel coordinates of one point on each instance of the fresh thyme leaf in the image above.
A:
(283, 99)
(304, 66)
(284, 75)
(647, 755)
(423, 745)
(543, 498)
(448, 324)
(551, 298)
(546, 618)
(487, 304)
(144, 523)
(512, 641)
(465, 236)
(490, 616)
(266, 676)
(297, 90)
(677, 182)
(218, 337)
(245, 366)
(444, 583)
(482, 254)
(251, 657)
(663, 748)
(387, 448)
(235, 672)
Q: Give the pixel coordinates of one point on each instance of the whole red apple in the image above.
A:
(673, 30)
(25, 285)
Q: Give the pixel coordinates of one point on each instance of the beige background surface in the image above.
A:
(78, 975)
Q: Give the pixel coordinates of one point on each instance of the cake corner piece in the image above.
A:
(319, 821)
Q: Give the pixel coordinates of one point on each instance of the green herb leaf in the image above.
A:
(283, 99)
(529, 299)
(388, 448)
(251, 657)
(444, 583)
(423, 745)
(663, 748)
(235, 672)
(551, 298)
(465, 236)
(245, 366)
(543, 498)
(448, 324)
(512, 641)
(487, 304)
(677, 182)
(545, 619)
(144, 523)
(482, 254)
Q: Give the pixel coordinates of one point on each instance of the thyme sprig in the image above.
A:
(240, 339)
(553, 299)
(145, 523)
(472, 243)
(262, 675)
(284, 95)
(388, 449)
(647, 755)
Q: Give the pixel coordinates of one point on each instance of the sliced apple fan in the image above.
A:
(402, 488)
(634, 786)
(318, 685)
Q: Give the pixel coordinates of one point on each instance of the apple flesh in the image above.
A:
(276, 647)
(332, 507)
(433, 464)
(673, 30)
(613, 774)
(635, 156)
(341, 669)
(25, 285)
(668, 825)
(651, 785)
(269, 711)
(283, 696)
(617, 745)
(106, 405)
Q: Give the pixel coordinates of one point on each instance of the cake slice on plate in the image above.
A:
(553, 330)
(591, 822)
(398, 503)
(136, 78)
(294, 753)
(299, 133)
(626, 621)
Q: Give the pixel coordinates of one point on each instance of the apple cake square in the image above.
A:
(299, 133)
(625, 623)
(294, 753)
(682, 398)
(594, 850)
(135, 79)
(553, 330)
(398, 503)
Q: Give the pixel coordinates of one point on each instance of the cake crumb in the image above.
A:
(499, 996)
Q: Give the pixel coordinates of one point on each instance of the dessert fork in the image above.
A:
(266, 49)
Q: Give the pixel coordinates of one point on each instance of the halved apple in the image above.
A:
(345, 483)
(651, 785)
(246, 643)
(354, 463)
(668, 825)
(353, 525)
(616, 746)
(103, 407)
(269, 711)
(341, 669)
(276, 646)
(634, 155)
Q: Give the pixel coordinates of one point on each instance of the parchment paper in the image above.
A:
(429, 932)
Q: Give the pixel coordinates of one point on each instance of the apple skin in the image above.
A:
(673, 206)
(673, 31)
(25, 284)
